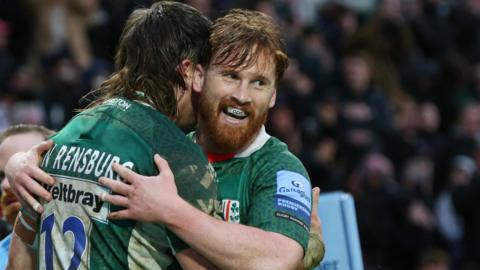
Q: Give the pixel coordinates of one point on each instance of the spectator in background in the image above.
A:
(432, 140)
(324, 165)
(403, 143)
(431, 28)
(450, 223)
(373, 187)
(433, 259)
(416, 226)
(466, 27)
(63, 32)
(466, 198)
(465, 133)
(71, 39)
(454, 89)
(365, 113)
(339, 22)
(283, 125)
(12, 140)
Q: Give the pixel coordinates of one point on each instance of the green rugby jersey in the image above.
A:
(75, 232)
(266, 187)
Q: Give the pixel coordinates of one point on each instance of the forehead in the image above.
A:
(17, 143)
(258, 65)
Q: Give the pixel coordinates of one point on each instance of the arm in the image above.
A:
(21, 255)
(189, 259)
(229, 246)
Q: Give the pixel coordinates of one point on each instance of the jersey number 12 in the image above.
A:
(71, 224)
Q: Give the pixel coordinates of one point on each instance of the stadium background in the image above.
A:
(381, 100)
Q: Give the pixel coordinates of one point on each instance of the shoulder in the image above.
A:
(274, 166)
(274, 156)
(155, 128)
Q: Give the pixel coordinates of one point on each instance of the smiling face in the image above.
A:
(248, 59)
(234, 104)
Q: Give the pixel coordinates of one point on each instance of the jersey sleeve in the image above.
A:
(194, 177)
(197, 184)
(280, 199)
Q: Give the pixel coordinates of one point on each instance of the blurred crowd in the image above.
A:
(381, 99)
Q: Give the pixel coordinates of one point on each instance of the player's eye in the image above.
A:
(259, 83)
(230, 75)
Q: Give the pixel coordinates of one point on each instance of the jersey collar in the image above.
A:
(219, 157)
(259, 142)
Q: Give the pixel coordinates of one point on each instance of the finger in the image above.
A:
(162, 164)
(316, 195)
(163, 167)
(125, 173)
(43, 147)
(117, 200)
(316, 222)
(34, 188)
(122, 214)
(31, 201)
(116, 186)
(40, 176)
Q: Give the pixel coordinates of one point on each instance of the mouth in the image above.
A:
(235, 112)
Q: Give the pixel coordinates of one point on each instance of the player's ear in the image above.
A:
(193, 74)
(185, 68)
(198, 78)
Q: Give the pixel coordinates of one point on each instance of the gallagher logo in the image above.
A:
(297, 184)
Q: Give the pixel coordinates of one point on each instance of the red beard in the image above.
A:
(228, 139)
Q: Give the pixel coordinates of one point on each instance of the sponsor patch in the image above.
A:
(119, 103)
(293, 195)
(231, 211)
(80, 196)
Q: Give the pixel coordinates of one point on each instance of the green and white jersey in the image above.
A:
(266, 187)
(75, 232)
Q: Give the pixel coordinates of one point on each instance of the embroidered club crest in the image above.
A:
(231, 211)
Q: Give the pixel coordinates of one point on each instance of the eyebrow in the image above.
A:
(263, 78)
(227, 69)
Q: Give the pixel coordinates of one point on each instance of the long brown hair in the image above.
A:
(153, 43)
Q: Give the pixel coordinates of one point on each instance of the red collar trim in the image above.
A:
(219, 157)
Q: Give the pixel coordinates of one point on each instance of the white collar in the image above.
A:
(259, 142)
